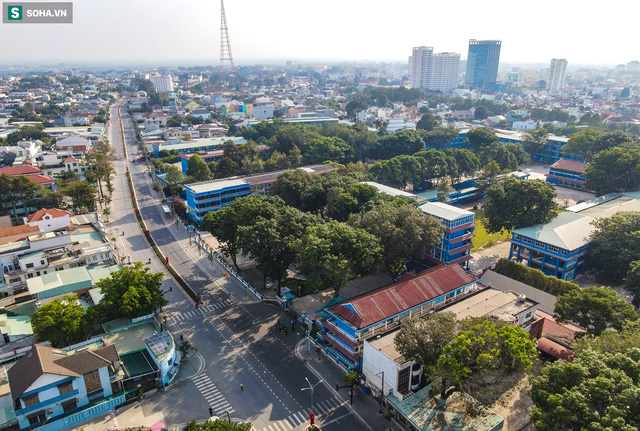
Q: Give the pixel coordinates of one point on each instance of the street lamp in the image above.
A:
(311, 388)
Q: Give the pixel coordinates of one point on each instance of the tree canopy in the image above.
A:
(422, 339)
(594, 309)
(334, 253)
(216, 425)
(404, 231)
(513, 203)
(198, 169)
(60, 321)
(615, 243)
(480, 137)
(598, 390)
(613, 170)
(132, 291)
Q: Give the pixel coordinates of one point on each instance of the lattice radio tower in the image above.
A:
(226, 58)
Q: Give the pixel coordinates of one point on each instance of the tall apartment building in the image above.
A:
(445, 72)
(482, 64)
(433, 72)
(557, 70)
(420, 65)
(163, 84)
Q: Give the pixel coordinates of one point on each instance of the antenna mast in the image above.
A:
(226, 58)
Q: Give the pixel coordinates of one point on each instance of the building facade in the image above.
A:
(482, 64)
(345, 325)
(557, 72)
(444, 77)
(213, 195)
(456, 243)
(163, 84)
(420, 64)
(568, 173)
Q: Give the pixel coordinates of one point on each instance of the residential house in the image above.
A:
(50, 385)
(75, 144)
(49, 220)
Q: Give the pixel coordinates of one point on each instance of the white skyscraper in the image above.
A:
(420, 66)
(431, 72)
(444, 77)
(163, 84)
(556, 74)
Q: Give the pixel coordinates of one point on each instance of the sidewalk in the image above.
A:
(364, 407)
(129, 416)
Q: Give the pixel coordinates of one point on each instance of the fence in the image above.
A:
(214, 255)
(86, 414)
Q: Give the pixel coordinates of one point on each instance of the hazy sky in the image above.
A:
(188, 31)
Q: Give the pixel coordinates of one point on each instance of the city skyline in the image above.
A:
(139, 34)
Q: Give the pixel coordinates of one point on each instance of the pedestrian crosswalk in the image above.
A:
(302, 417)
(202, 310)
(215, 399)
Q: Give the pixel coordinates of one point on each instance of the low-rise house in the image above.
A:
(75, 144)
(49, 220)
(50, 385)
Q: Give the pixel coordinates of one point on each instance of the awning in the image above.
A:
(554, 349)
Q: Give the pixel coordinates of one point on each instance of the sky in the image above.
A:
(187, 32)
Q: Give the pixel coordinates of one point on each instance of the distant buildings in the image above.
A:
(482, 64)
(431, 72)
(557, 71)
(163, 84)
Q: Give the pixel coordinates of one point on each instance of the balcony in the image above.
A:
(333, 328)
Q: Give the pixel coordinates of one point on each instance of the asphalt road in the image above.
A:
(231, 333)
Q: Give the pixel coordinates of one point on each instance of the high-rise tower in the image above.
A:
(556, 74)
(482, 64)
(226, 58)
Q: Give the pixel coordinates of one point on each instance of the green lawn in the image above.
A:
(483, 238)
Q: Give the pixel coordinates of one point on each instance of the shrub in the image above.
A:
(534, 277)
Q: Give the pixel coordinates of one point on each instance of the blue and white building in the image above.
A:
(212, 195)
(457, 240)
(186, 147)
(560, 248)
(55, 388)
(568, 173)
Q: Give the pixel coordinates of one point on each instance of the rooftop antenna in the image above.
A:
(226, 58)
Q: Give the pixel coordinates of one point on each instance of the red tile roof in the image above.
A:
(17, 230)
(570, 165)
(53, 212)
(14, 171)
(70, 159)
(411, 291)
(41, 179)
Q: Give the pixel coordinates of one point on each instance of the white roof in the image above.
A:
(210, 186)
(567, 230)
(389, 190)
(444, 211)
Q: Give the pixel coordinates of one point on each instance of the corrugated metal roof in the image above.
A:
(395, 298)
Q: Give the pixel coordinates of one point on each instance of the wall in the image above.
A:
(374, 362)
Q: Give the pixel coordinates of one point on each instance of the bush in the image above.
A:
(534, 277)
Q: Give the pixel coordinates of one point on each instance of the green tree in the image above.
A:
(270, 238)
(353, 378)
(198, 169)
(508, 156)
(594, 309)
(402, 142)
(633, 282)
(335, 253)
(439, 137)
(422, 339)
(596, 391)
(614, 169)
(353, 107)
(480, 113)
(428, 122)
(290, 185)
(584, 143)
(404, 231)
(479, 138)
(534, 141)
(484, 348)
(60, 321)
(131, 292)
(174, 175)
(82, 195)
(467, 164)
(329, 149)
(396, 172)
(615, 243)
(626, 92)
(514, 203)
